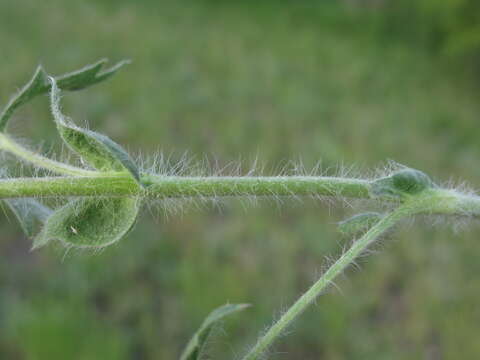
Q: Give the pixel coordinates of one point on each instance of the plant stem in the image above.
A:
(337, 268)
(437, 201)
(175, 186)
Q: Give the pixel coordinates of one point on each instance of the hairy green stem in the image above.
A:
(176, 186)
(439, 201)
(318, 287)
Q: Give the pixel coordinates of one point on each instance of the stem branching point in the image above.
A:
(104, 195)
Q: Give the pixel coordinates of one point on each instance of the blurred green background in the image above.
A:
(347, 82)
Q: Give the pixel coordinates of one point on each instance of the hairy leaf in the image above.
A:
(88, 75)
(194, 347)
(97, 150)
(37, 85)
(30, 213)
(76, 80)
(402, 183)
(358, 223)
(90, 223)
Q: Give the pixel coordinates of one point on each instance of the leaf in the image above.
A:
(195, 346)
(90, 223)
(402, 183)
(88, 75)
(358, 223)
(30, 213)
(76, 80)
(97, 150)
(37, 85)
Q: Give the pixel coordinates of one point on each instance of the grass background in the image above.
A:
(341, 82)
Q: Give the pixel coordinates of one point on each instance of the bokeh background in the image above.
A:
(344, 82)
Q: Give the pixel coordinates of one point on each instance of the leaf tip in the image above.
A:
(112, 70)
(39, 241)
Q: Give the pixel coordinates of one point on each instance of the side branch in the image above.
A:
(358, 247)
